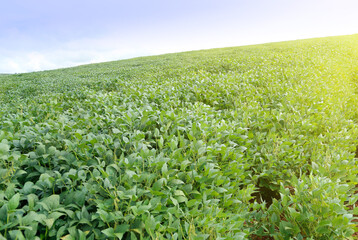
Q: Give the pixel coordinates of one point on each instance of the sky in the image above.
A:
(40, 35)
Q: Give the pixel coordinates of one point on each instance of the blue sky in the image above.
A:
(41, 34)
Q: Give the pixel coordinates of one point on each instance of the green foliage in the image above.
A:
(234, 143)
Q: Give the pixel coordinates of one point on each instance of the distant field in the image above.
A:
(254, 142)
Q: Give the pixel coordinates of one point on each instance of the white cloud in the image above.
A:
(75, 53)
(25, 62)
(116, 47)
(20, 62)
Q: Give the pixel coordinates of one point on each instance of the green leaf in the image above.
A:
(52, 150)
(150, 225)
(109, 232)
(115, 130)
(16, 234)
(324, 227)
(131, 173)
(121, 230)
(164, 168)
(156, 133)
(133, 236)
(73, 232)
(32, 155)
(33, 217)
(4, 148)
(192, 202)
(176, 182)
(52, 202)
(31, 199)
(3, 213)
(274, 218)
(49, 222)
(60, 232)
(158, 185)
(82, 235)
(181, 199)
(14, 202)
(125, 139)
(179, 193)
(28, 187)
(68, 237)
(175, 202)
(161, 142)
(40, 150)
(3, 173)
(55, 215)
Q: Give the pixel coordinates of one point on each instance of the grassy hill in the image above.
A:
(254, 142)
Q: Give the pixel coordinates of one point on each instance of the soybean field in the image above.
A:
(252, 142)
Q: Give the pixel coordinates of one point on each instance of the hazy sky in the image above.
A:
(47, 34)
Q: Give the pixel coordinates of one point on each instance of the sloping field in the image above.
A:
(254, 142)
